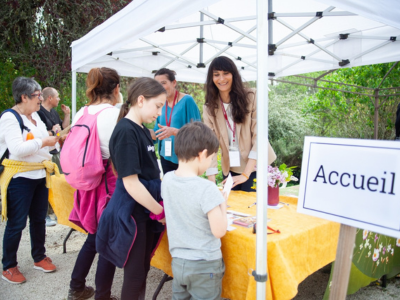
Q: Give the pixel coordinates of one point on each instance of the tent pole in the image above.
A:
(270, 24)
(73, 94)
(260, 274)
(201, 36)
(376, 113)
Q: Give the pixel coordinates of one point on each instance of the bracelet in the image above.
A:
(245, 176)
(52, 132)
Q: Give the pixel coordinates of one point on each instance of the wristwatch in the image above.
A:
(52, 132)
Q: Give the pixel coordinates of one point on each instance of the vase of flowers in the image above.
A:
(277, 177)
(273, 196)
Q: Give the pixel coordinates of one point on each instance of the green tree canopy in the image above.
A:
(352, 115)
(35, 38)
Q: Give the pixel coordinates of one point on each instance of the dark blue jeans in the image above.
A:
(104, 273)
(25, 197)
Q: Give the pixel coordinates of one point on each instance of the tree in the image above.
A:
(35, 37)
(343, 114)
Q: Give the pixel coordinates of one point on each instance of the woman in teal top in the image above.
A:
(179, 109)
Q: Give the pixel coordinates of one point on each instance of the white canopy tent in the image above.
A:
(308, 36)
(300, 36)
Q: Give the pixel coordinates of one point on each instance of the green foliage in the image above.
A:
(196, 90)
(350, 115)
(35, 38)
(284, 168)
(8, 72)
(287, 123)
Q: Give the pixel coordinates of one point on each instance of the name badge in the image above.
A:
(168, 147)
(234, 158)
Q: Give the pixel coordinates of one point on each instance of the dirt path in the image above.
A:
(55, 285)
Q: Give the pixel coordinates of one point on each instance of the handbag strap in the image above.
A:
(105, 179)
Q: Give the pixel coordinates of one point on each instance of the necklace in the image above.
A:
(28, 117)
(20, 112)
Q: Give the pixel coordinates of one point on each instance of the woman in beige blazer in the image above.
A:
(230, 110)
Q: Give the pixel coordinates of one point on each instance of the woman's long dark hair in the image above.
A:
(238, 94)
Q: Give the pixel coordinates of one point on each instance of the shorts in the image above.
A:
(197, 279)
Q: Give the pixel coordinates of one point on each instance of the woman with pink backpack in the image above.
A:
(89, 202)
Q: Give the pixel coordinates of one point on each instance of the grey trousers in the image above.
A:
(197, 279)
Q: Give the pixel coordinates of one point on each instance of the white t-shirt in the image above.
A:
(20, 149)
(106, 122)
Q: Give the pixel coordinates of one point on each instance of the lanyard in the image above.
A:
(227, 121)
(172, 109)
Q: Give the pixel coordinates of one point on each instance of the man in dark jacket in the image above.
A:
(54, 124)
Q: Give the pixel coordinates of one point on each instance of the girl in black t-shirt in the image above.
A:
(134, 159)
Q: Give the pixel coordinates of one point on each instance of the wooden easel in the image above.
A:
(344, 256)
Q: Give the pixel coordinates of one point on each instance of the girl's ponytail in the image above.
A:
(123, 111)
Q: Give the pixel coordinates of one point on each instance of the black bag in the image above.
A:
(21, 125)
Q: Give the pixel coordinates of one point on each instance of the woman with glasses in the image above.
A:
(24, 148)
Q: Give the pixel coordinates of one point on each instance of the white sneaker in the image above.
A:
(50, 222)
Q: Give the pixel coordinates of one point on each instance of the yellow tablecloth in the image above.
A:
(61, 199)
(304, 245)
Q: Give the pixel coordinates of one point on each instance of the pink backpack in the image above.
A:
(80, 156)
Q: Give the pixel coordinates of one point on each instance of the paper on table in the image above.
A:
(228, 185)
(230, 228)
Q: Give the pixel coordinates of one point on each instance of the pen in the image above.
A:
(252, 204)
(284, 203)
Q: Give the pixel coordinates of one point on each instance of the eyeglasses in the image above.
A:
(37, 95)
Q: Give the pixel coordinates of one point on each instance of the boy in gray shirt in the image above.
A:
(195, 211)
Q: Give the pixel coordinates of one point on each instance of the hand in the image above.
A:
(50, 141)
(165, 132)
(56, 128)
(65, 109)
(162, 221)
(236, 180)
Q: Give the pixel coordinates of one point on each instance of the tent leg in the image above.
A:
(73, 94)
(165, 279)
(376, 114)
(66, 239)
(260, 274)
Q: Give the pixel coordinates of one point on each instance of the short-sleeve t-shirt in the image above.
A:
(132, 151)
(187, 201)
(49, 118)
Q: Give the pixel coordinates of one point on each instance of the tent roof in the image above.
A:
(349, 33)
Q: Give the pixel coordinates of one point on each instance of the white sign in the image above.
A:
(353, 182)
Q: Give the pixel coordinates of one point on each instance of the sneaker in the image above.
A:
(45, 265)
(87, 293)
(50, 222)
(13, 275)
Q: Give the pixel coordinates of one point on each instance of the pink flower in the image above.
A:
(376, 238)
(384, 250)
